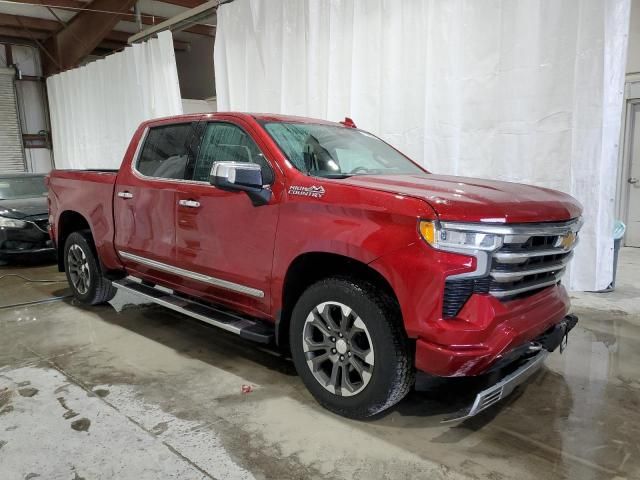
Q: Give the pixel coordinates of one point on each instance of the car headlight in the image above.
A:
(458, 240)
(11, 223)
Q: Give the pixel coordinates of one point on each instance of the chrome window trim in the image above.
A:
(136, 158)
(218, 282)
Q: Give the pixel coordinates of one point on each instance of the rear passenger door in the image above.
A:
(221, 237)
(145, 200)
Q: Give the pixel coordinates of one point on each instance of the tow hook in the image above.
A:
(565, 338)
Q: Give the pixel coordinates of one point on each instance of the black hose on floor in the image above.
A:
(35, 302)
(30, 280)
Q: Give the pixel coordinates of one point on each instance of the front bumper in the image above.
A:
(487, 326)
(487, 330)
(27, 241)
(528, 360)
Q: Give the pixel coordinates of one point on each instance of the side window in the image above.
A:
(165, 151)
(224, 142)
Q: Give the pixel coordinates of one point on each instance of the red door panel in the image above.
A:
(144, 212)
(145, 200)
(230, 240)
(220, 233)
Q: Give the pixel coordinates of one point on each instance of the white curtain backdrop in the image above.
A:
(527, 91)
(96, 108)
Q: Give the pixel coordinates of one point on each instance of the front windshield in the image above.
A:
(22, 187)
(337, 152)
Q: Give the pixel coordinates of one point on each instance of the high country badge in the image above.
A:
(313, 191)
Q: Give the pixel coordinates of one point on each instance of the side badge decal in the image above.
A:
(313, 191)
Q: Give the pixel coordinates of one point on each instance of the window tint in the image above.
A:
(224, 142)
(165, 151)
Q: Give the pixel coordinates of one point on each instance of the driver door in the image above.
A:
(220, 235)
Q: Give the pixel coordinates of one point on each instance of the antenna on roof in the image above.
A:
(347, 122)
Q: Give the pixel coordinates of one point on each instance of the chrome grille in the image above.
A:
(532, 258)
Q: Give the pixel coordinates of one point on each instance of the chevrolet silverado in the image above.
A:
(327, 241)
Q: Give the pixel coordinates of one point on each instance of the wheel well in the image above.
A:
(69, 222)
(310, 268)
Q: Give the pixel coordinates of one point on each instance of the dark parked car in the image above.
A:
(24, 219)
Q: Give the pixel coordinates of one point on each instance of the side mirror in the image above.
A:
(242, 176)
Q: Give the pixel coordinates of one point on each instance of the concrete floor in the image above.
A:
(93, 393)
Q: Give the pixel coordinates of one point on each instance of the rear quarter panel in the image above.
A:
(89, 193)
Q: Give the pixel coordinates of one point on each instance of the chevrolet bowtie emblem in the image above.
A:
(567, 240)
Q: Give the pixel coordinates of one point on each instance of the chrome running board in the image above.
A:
(248, 328)
(502, 389)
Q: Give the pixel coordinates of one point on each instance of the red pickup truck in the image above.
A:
(325, 240)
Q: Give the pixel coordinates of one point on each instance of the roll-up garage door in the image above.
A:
(11, 153)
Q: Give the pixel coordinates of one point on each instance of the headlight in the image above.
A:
(11, 223)
(458, 240)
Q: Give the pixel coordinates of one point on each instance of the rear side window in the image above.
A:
(224, 142)
(165, 153)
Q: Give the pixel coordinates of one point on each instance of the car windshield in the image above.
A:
(337, 152)
(12, 188)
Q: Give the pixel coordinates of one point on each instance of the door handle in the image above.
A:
(188, 203)
(125, 194)
(633, 180)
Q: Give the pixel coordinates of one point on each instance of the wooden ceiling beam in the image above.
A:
(29, 23)
(147, 19)
(20, 33)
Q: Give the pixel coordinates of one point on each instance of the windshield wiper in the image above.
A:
(330, 175)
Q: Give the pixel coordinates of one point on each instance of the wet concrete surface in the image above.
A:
(155, 395)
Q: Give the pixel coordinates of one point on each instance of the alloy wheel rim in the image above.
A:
(338, 349)
(78, 266)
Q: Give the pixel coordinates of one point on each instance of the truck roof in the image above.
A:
(260, 117)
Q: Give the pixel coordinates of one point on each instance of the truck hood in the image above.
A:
(23, 207)
(477, 200)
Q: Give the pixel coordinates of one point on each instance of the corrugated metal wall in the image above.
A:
(11, 152)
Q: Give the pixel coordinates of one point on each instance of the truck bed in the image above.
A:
(89, 193)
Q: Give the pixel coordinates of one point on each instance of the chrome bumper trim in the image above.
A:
(502, 389)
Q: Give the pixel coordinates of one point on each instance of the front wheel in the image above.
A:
(349, 347)
(83, 270)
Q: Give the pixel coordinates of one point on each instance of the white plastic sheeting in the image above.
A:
(527, 91)
(96, 108)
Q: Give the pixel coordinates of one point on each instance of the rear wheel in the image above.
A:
(83, 270)
(349, 347)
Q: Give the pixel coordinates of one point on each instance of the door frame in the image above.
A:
(631, 99)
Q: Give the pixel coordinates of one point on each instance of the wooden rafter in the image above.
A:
(16, 26)
(147, 18)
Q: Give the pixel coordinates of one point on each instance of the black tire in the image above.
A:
(392, 373)
(98, 288)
